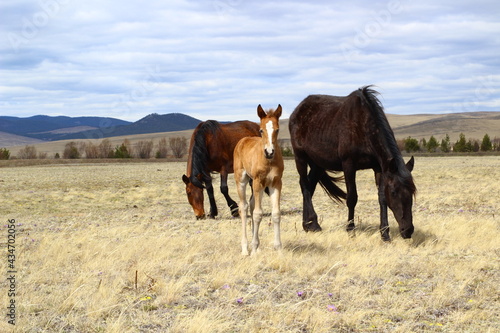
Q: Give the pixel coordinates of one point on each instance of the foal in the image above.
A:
(259, 159)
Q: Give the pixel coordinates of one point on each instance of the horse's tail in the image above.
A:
(200, 154)
(327, 182)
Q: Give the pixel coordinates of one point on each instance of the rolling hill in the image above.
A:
(153, 127)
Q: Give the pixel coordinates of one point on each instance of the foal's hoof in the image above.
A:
(311, 226)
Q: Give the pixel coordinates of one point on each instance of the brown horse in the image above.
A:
(259, 160)
(330, 133)
(211, 150)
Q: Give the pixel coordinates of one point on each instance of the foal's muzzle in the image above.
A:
(269, 155)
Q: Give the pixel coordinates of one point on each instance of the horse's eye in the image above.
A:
(277, 131)
(261, 131)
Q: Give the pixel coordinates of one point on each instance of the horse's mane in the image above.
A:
(200, 154)
(369, 95)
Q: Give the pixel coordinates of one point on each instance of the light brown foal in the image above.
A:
(260, 159)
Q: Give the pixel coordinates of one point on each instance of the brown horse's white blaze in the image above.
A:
(259, 159)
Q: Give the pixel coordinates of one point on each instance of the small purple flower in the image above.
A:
(332, 308)
(460, 210)
(226, 286)
(330, 295)
(300, 293)
(239, 300)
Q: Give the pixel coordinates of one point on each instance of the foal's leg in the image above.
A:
(352, 193)
(384, 224)
(258, 191)
(211, 199)
(275, 193)
(241, 185)
(309, 217)
(225, 191)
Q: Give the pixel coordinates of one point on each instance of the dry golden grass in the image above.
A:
(85, 231)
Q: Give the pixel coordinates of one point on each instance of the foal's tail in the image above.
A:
(327, 182)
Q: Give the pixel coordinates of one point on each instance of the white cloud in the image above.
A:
(219, 59)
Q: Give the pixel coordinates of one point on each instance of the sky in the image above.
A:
(219, 59)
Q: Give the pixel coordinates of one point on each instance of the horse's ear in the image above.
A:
(277, 113)
(261, 112)
(410, 164)
(393, 165)
(185, 179)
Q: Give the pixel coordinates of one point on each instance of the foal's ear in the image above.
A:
(277, 113)
(261, 112)
(185, 179)
(410, 164)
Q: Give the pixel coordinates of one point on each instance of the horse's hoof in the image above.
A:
(311, 226)
(235, 212)
(212, 216)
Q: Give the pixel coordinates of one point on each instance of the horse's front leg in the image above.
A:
(211, 199)
(309, 216)
(352, 193)
(225, 191)
(275, 193)
(384, 224)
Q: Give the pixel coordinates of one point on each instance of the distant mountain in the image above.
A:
(48, 128)
(153, 123)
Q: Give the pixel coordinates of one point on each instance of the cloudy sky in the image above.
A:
(219, 59)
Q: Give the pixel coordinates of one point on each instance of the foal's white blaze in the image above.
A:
(269, 146)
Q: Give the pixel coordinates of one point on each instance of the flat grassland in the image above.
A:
(114, 247)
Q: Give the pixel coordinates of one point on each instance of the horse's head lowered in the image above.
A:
(269, 128)
(399, 190)
(195, 196)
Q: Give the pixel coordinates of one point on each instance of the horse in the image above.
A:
(211, 150)
(346, 134)
(258, 160)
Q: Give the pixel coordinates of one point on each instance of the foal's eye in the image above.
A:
(261, 132)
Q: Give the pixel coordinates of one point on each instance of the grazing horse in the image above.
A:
(259, 159)
(211, 150)
(350, 133)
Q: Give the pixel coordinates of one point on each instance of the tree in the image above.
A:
(121, 151)
(486, 144)
(461, 145)
(411, 145)
(162, 151)
(445, 144)
(4, 154)
(432, 145)
(144, 149)
(106, 149)
(178, 145)
(71, 151)
(91, 150)
(27, 153)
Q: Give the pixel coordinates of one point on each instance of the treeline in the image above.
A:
(173, 147)
(462, 145)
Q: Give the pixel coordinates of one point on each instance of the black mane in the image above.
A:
(377, 110)
(200, 154)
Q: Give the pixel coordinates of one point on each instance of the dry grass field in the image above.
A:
(114, 247)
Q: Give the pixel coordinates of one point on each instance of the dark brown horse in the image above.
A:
(350, 133)
(211, 150)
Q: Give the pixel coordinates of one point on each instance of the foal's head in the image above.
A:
(269, 128)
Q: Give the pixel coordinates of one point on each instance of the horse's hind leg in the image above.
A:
(309, 217)
(233, 206)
